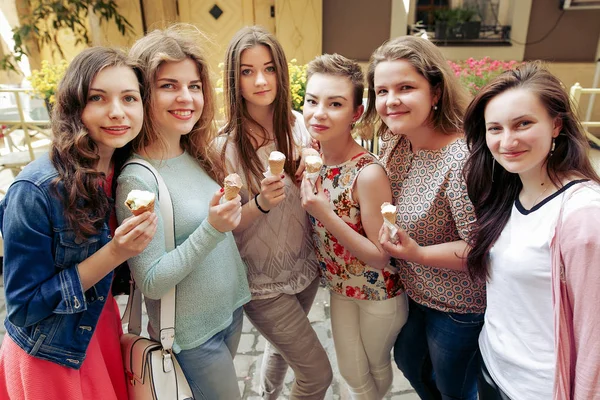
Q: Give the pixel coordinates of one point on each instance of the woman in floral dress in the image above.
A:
(368, 305)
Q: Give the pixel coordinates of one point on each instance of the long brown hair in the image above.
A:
(237, 115)
(492, 189)
(429, 61)
(73, 152)
(177, 43)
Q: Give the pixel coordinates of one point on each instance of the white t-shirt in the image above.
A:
(517, 339)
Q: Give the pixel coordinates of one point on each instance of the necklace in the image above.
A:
(540, 195)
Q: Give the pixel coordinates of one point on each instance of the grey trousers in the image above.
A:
(292, 341)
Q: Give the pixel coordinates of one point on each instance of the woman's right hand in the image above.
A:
(272, 192)
(224, 217)
(133, 235)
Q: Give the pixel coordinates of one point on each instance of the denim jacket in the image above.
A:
(48, 314)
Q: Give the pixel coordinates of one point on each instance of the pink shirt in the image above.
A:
(576, 296)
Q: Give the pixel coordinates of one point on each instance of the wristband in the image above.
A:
(259, 207)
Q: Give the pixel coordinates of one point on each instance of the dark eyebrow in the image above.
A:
(171, 80)
(122, 91)
(250, 65)
(514, 119)
(328, 98)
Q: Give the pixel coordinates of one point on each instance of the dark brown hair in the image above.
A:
(73, 152)
(492, 189)
(177, 43)
(431, 64)
(335, 64)
(237, 115)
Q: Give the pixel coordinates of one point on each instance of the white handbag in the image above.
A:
(153, 372)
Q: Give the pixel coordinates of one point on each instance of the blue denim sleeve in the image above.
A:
(34, 287)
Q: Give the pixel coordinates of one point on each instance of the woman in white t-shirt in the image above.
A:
(537, 201)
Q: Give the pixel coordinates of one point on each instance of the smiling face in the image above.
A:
(113, 113)
(404, 98)
(519, 131)
(329, 107)
(258, 77)
(177, 99)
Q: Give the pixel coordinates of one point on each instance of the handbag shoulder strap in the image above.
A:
(133, 312)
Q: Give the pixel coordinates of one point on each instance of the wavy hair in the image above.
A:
(236, 112)
(173, 44)
(428, 60)
(73, 152)
(492, 189)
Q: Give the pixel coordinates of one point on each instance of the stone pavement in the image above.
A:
(249, 356)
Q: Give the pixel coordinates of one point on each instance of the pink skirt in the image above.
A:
(101, 376)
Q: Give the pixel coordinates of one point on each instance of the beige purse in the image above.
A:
(152, 371)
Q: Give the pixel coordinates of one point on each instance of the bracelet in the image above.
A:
(259, 207)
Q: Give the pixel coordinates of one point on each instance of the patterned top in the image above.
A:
(433, 207)
(343, 273)
(277, 247)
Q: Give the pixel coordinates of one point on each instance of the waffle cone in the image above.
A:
(231, 192)
(311, 169)
(276, 166)
(390, 217)
(143, 209)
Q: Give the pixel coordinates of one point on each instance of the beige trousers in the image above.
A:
(292, 341)
(364, 332)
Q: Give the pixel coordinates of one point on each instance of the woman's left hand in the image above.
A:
(405, 247)
(314, 199)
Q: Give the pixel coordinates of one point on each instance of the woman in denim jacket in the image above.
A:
(60, 247)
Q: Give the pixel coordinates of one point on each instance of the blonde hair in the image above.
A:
(173, 44)
(428, 60)
(338, 65)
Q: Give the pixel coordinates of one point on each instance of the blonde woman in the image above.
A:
(205, 265)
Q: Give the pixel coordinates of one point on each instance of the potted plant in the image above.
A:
(456, 23)
(45, 81)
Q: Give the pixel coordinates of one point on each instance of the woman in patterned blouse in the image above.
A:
(416, 99)
(368, 305)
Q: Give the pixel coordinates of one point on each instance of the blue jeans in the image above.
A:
(209, 367)
(438, 353)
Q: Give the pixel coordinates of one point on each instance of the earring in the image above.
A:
(435, 107)
(552, 147)
(352, 125)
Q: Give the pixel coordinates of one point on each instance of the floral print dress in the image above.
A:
(342, 272)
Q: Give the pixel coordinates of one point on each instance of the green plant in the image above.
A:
(297, 84)
(45, 81)
(455, 16)
(474, 74)
(47, 18)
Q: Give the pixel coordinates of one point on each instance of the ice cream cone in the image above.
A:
(389, 212)
(140, 201)
(232, 185)
(276, 162)
(313, 163)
